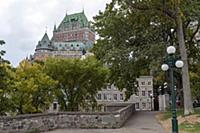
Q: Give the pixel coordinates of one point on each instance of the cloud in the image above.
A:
(24, 21)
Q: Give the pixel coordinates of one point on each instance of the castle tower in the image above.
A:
(43, 48)
(70, 38)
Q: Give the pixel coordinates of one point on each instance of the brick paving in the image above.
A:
(140, 122)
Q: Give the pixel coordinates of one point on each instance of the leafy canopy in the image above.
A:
(79, 81)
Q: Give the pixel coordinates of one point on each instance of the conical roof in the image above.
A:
(44, 44)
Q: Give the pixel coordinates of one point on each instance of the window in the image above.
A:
(149, 83)
(149, 93)
(137, 105)
(75, 34)
(99, 96)
(143, 105)
(121, 97)
(115, 96)
(109, 97)
(143, 83)
(143, 93)
(105, 96)
(54, 106)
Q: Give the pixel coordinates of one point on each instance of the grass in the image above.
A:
(190, 128)
(180, 112)
(168, 114)
(185, 126)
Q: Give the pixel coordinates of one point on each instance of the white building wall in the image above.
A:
(142, 98)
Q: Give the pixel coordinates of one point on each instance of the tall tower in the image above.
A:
(43, 49)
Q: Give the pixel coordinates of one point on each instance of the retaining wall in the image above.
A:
(51, 121)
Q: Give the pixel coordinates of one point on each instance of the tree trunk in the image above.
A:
(188, 108)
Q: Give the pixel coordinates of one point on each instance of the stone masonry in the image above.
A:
(51, 121)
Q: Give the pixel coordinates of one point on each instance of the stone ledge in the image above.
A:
(51, 121)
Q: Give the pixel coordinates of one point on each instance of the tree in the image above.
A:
(133, 25)
(5, 80)
(79, 81)
(125, 44)
(33, 90)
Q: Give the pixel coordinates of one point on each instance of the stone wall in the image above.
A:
(112, 107)
(51, 121)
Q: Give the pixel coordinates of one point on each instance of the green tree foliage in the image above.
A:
(131, 43)
(33, 90)
(79, 81)
(5, 80)
(2, 52)
(145, 27)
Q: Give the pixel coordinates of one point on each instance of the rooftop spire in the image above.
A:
(54, 29)
(82, 6)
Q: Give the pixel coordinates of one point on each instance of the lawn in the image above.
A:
(180, 112)
(187, 124)
(190, 128)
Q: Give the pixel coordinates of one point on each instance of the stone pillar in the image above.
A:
(163, 102)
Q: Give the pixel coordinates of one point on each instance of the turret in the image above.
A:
(54, 29)
(44, 44)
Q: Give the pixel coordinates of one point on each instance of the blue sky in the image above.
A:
(23, 22)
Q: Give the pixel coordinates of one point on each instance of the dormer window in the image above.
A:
(73, 19)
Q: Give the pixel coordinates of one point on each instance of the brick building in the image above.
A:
(71, 39)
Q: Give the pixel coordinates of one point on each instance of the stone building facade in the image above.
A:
(143, 98)
(71, 39)
(110, 95)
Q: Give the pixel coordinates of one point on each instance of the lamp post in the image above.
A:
(171, 62)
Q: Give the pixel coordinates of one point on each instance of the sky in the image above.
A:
(24, 22)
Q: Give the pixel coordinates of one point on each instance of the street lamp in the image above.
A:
(151, 96)
(171, 62)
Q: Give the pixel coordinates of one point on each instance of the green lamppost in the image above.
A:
(171, 62)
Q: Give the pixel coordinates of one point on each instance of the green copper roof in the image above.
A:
(70, 20)
(44, 43)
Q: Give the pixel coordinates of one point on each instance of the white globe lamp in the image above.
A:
(179, 63)
(171, 50)
(164, 67)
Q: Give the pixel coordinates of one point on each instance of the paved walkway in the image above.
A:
(140, 122)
